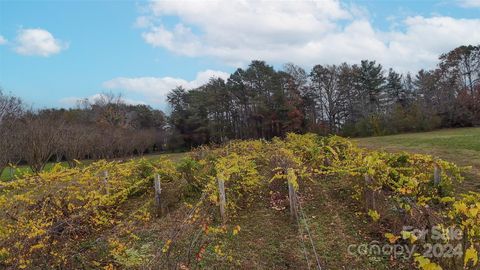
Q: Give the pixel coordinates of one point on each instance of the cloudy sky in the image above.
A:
(52, 53)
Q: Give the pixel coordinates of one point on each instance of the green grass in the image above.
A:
(172, 156)
(10, 173)
(461, 146)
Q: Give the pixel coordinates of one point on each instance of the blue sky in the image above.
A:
(53, 52)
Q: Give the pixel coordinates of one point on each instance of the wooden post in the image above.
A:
(327, 162)
(221, 193)
(158, 192)
(105, 180)
(369, 194)
(292, 200)
(437, 175)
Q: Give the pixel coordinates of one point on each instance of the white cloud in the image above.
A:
(73, 101)
(469, 3)
(303, 32)
(38, 42)
(3, 40)
(155, 89)
(143, 22)
(426, 38)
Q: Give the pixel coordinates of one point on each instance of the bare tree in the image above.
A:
(39, 139)
(5, 145)
(11, 108)
(144, 140)
(75, 143)
(325, 82)
(110, 110)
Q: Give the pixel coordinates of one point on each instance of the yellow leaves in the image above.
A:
(58, 167)
(292, 178)
(374, 215)
(236, 230)
(332, 151)
(37, 246)
(425, 263)
(74, 196)
(216, 230)
(24, 263)
(447, 199)
(473, 212)
(109, 267)
(25, 198)
(404, 190)
(471, 255)
(461, 207)
(213, 197)
(4, 253)
(409, 236)
(240, 176)
(406, 206)
(134, 237)
(218, 250)
(234, 165)
(100, 219)
(166, 247)
(143, 215)
(65, 197)
(71, 207)
(465, 213)
(391, 238)
(116, 246)
(35, 231)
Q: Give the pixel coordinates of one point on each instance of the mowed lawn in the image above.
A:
(20, 170)
(461, 146)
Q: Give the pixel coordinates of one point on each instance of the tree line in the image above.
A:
(361, 99)
(105, 128)
(353, 100)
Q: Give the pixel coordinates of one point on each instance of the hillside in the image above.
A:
(305, 202)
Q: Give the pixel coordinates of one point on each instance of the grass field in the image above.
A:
(461, 146)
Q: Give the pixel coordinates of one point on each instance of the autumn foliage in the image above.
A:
(47, 216)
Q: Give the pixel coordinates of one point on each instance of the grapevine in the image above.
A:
(47, 214)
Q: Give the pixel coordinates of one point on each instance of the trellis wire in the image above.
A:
(305, 223)
(175, 232)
